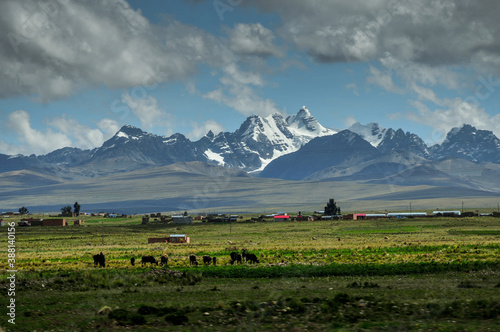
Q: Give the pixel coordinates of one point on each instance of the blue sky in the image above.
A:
(73, 72)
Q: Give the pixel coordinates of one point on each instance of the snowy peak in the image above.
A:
(468, 133)
(373, 133)
(130, 132)
(304, 124)
(469, 143)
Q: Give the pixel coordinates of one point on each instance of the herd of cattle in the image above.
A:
(237, 258)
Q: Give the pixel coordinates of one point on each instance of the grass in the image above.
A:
(410, 274)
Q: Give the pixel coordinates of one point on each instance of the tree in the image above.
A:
(77, 209)
(66, 210)
(23, 210)
(331, 208)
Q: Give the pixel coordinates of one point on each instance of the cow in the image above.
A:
(250, 258)
(100, 259)
(235, 258)
(207, 260)
(149, 259)
(214, 260)
(164, 260)
(192, 260)
(132, 261)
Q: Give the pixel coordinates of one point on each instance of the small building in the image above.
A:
(446, 213)
(179, 238)
(32, 221)
(54, 222)
(182, 219)
(406, 214)
(282, 217)
(77, 222)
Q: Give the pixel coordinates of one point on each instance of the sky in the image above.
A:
(73, 72)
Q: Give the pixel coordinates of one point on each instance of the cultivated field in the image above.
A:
(398, 274)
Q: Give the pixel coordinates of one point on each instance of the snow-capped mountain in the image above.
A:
(387, 140)
(373, 133)
(260, 140)
(469, 143)
(257, 142)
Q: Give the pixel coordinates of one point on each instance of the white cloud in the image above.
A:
(237, 91)
(147, 110)
(253, 39)
(384, 80)
(109, 127)
(349, 121)
(50, 49)
(32, 140)
(454, 113)
(429, 32)
(61, 132)
(84, 136)
(200, 130)
(353, 87)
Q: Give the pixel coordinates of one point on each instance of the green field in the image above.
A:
(429, 274)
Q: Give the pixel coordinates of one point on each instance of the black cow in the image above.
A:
(164, 260)
(214, 260)
(207, 260)
(132, 261)
(192, 260)
(100, 259)
(149, 259)
(250, 258)
(235, 258)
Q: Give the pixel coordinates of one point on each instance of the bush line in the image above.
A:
(301, 270)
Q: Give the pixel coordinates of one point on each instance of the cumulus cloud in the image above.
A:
(32, 140)
(61, 132)
(146, 109)
(52, 48)
(383, 79)
(445, 32)
(253, 39)
(453, 113)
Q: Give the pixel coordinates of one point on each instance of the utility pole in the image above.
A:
(462, 206)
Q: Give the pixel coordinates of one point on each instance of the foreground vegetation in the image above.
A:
(398, 274)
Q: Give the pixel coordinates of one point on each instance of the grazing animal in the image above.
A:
(314, 238)
(192, 260)
(207, 260)
(164, 260)
(214, 260)
(235, 258)
(149, 259)
(100, 259)
(250, 258)
(132, 261)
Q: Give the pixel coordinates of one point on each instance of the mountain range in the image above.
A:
(295, 148)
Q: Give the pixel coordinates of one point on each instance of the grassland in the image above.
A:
(398, 274)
